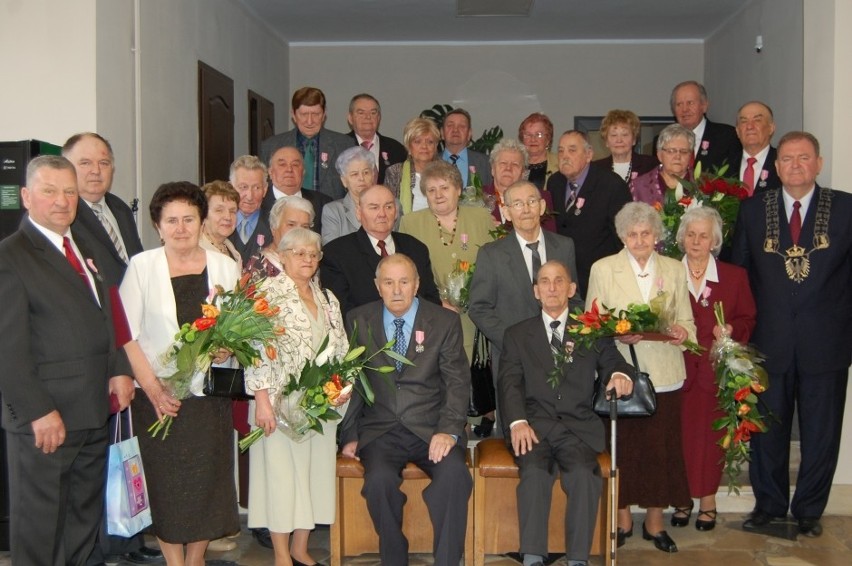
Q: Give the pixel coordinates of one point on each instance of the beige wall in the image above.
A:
(498, 84)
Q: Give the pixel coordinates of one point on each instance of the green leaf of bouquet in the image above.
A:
(354, 353)
(398, 357)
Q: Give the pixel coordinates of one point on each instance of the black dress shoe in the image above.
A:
(810, 527)
(682, 521)
(662, 540)
(152, 552)
(706, 525)
(758, 519)
(484, 428)
(262, 537)
(139, 557)
(622, 536)
(297, 563)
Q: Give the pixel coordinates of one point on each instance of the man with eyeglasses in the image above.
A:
(717, 143)
(586, 199)
(501, 292)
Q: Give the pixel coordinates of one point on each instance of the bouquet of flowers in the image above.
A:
(310, 398)
(457, 289)
(238, 321)
(472, 194)
(740, 378)
(708, 189)
(651, 321)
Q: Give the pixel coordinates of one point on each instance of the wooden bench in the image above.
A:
(353, 533)
(496, 510)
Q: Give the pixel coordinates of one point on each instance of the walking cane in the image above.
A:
(613, 480)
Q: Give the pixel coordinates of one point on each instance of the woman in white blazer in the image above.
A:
(190, 474)
(650, 455)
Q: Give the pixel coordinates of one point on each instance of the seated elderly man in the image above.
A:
(418, 416)
(554, 424)
(349, 262)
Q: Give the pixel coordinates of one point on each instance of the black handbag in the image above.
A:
(641, 403)
(226, 382)
(482, 397)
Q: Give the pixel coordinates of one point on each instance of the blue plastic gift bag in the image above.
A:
(127, 507)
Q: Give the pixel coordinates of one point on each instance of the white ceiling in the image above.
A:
(377, 21)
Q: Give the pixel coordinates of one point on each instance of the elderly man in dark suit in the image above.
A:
(553, 424)
(715, 143)
(56, 380)
(349, 263)
(248, 176)
(365, 115)
(286, 175)
(110, 224)
(755, 165)
(586, 200)
(796, 245)
(456, 132)
(419, 414)
(103, 215)
(319, 147)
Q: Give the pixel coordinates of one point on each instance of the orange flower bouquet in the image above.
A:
(239, 321)
(741, 379)
(457, 288)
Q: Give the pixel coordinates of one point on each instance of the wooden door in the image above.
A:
(215, 124)
(261, 120)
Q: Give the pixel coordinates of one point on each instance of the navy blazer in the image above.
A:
(771, 180)
(317, 199)
(349, 263)
(808, 322)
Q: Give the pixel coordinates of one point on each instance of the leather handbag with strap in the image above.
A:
(641, 403)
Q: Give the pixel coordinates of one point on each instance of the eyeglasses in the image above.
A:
(521, 204)
(674, 151)
(533, 135)
(305, 254)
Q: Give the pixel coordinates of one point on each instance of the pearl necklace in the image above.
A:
(629, 170)
(452, 234)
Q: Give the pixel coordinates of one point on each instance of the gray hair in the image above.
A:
(507, 199)
(675, 131)
(363, 96)
(298, 203)
(300, 236)
(50, 162)
(355, 153)
(697, 214)
(249, 162)
(509, 144)
(702, 92)
(634, 213)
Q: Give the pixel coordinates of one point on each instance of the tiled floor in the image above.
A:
(727, 545)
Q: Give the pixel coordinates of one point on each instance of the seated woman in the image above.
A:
(674, 150)
(190, 474)
(619, 131)
(536, 132)
(357, 169)
(286, 214)
(292, 482)
(421, 137)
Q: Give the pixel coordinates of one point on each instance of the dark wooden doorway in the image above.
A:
(261, 121)
(215, 124)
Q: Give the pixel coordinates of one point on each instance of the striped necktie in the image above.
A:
(98, 209)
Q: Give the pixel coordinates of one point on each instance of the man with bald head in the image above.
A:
(755, 165)
(349, 262)
(716, 143)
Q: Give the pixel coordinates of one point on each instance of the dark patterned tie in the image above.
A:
(454, 158)
(399, 345)
(573, 189)
(796, 223)
(555, 338)
(383, 248)
(536, 259)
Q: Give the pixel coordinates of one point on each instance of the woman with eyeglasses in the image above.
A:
(674, 150)
(536, 133)
(291, 482)
(619, 131)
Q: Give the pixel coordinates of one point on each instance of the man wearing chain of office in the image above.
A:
(796, 243)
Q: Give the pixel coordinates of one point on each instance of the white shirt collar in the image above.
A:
(805, 202)
(711, 274)
(390, 247)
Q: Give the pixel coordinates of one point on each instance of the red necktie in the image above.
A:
(748, 175)
(383, 250)
(796, 223)
(74, 260)
(368, 145)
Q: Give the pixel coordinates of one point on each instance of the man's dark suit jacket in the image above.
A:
(112, 266)
(524, 392)
(252, 247)
(349, 264)
(809, 323)
(593, 229)
(427, 398)
(761, 185)
(58, 344)
(317, 200)
(395, 151)
(331, 143)
(722, 142)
